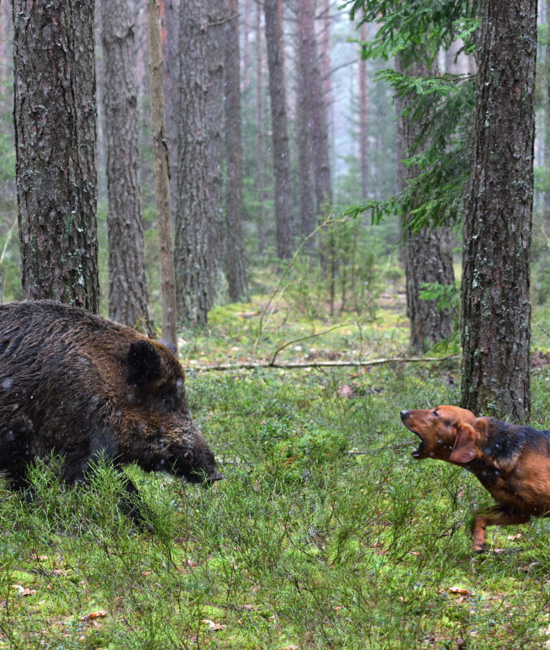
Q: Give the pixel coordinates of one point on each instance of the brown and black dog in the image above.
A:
(512, 462)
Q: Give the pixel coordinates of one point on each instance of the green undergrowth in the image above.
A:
(325, 533)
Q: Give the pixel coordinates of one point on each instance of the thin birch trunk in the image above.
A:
(162, 174)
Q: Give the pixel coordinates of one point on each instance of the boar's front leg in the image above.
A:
(133, 505)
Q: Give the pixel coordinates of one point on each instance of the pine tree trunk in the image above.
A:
(55, 132)
(162, 174)
(127, 281)
(260, 149)
(170, 55)
(317, 107)
(246, 42)
(363, 107)
(546, 195)
(214, 111)
(427, 256)
(195, 211)
(308, 214)
(498, 218)
(281, 152)
(235, 261)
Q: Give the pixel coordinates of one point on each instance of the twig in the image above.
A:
(541, 327)
(320, 364)
(284, 273)
(8, 237)
(303, 338)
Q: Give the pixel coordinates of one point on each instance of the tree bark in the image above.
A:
(235, 260)
(214, 110)
(127, 281)
(55, 139)
(306, 182)
(170, 54)
(281, 152)
(363, 108)
(317, 107)
(195, 211)
(246, 43)
(546, 195)
(260, 149)
(162, 174)
(427, 256)
(498, 219)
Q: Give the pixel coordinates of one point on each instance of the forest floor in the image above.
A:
(325, 533)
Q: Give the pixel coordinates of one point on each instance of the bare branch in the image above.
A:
(319, 364)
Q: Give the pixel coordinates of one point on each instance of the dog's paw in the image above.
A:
(479, 548)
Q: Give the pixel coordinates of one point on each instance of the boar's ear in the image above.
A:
(464, 447)
(173, 349)
(143, 364)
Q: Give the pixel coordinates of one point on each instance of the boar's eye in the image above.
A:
(166, 403)
(189, 455)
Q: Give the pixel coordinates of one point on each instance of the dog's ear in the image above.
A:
(464, 447)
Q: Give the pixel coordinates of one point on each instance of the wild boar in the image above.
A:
(79, 385)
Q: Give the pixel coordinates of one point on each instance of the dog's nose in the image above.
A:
(404, 414)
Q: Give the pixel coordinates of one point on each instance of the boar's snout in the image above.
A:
(199, 466)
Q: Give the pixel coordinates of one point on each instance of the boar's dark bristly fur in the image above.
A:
(79, 385)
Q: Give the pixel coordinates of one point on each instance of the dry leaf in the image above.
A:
(517, 536)
(147, 573)
(213, 626)
(459, 590)
(248, 608)
(291, 647)
(101, 613)
(24, 591)
(345, 391)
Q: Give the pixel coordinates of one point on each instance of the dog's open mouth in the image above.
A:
(417, 453)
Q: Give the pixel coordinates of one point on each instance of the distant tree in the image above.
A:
(195, 208)
(427, 255)
(316, 106)
(281, 151)
(215, 34)
(497, 230)
(306, 181)
(363, 108)
(127, 281)
(235, 264)
(55, 132)
(260, 145)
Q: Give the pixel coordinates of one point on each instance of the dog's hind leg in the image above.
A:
(496, 516)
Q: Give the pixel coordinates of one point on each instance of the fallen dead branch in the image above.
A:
(318, 364)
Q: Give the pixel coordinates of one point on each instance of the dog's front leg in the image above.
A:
(496, 516)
